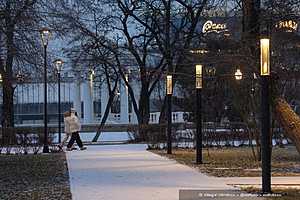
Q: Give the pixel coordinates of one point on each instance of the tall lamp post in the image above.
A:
(45, 36)
(1, 80)
(265, 115)
(199, 114)
(169, 113)
(58, 66)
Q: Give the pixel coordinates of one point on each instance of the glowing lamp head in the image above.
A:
(238, 75)
(265, 57)
(91, 74)
(169, 84)
(199, 76)
(58, 65)
(45, 36)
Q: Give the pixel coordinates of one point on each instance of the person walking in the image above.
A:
(74, 125)
(68, 134)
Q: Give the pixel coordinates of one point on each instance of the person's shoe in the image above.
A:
(69, 149)
(73, 148)
(83, 148)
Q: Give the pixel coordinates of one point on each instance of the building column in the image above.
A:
(124, 112)
(77, 96)
(87, 97)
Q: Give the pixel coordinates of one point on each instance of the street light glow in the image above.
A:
(58, 64)
(199, 76)
(199, 51)
(45, 36)
(91, 75)
(169, 84)
(265, 57)
(238, 75)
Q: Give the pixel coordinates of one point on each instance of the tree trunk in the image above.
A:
(250, 37)
(111, 92)
(104, 117)
(144, 111)
(144, 105)
(8, 104)
(289, 121)
(8, 90)
(251, 23)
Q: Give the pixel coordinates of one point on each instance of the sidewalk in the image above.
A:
(120, 172)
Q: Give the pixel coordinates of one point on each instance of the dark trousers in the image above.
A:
(75, 136)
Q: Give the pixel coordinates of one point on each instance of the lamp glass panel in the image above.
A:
(58, 65)
(169, 84)
(265, 57)
(45, 35)
(199, 76)
(238, 74)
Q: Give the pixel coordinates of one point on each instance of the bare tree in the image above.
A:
(18, 40)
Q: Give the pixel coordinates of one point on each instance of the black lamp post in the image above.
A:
(265, 115)
(58, 65)
(1, 80)
(169, 114)
(45, 36)
(199, 114)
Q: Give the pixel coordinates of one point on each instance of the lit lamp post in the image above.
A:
(265, 115)
(45, 36)
(199, 114)
(58, 65)
(169, 114)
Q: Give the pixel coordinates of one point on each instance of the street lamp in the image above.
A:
(58, 65)
(265, 115)
(169, 91)
(199, 114)
(45, 36)
(238, 75)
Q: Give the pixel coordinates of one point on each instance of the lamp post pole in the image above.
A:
(59, 110)
(169, 114)
(45, 36)
(265, 115)
(199, 127)
(199, 114)
(265, 136)
(46, 147)
(58, 64)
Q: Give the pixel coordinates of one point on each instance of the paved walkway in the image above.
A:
(121, 172)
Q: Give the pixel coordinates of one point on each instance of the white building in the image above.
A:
(88, 96)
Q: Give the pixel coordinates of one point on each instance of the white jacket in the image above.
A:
(72, 124)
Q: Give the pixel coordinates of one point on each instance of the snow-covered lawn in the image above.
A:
(121, 172)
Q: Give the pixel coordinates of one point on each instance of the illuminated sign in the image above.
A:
(209, 27)
(289, 25)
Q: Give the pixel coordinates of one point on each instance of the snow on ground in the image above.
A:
(121, 172)
(105, 136)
